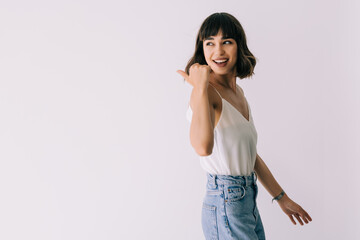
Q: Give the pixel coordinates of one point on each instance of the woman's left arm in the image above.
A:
(272, 186)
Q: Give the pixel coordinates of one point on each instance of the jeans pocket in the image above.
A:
(235, 193)
(209, 222)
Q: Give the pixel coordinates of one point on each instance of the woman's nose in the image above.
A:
(219, 49)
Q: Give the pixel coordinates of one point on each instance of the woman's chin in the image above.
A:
(221, 73)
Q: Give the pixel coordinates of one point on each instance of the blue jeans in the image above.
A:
(229, 209)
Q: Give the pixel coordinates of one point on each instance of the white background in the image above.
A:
(94, 143)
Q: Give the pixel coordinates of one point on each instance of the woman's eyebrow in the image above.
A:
(211, 38)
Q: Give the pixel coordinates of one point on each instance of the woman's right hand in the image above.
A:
(198, 77)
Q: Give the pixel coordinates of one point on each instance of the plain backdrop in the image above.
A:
(94, 142)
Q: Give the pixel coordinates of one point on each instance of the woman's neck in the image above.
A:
(224, 81)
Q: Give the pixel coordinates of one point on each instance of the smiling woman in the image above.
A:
(227, 148)
(233, 35)
(211, 51)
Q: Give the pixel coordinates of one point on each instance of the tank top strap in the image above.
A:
(216, 90)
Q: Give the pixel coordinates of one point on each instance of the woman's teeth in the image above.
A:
(221, 61)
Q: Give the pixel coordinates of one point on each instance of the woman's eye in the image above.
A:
(212, 43)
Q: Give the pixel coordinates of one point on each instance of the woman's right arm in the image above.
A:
(203, 116)
(202, 123)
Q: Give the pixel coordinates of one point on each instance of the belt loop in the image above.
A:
(255, 177)
(214, 179)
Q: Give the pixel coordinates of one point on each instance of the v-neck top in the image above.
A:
(235, 139)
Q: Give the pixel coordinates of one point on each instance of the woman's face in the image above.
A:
(217, 49)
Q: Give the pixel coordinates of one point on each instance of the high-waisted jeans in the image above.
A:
(229, 209)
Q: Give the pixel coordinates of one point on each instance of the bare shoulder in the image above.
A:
(240, 88)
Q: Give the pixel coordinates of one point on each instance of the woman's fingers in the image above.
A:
(186, 77)
(299, 219)
(304, 219)
(183, 74)
(293, 209)
(292, 219)
(304, 215)
(307, 216)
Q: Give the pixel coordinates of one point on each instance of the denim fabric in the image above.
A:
(229, 209)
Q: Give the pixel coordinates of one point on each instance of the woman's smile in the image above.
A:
(221, 63)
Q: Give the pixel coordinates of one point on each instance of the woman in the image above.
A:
(222, 132)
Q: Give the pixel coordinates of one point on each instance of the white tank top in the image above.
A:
(235, 140)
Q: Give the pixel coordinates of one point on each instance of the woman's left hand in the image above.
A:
(291, 209)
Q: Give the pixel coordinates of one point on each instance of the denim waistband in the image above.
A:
(214, 179)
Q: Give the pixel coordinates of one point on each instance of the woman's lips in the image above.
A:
(223, 64)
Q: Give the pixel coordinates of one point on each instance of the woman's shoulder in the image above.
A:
(238, 86)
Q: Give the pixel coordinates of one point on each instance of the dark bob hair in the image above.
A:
(231, 28)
